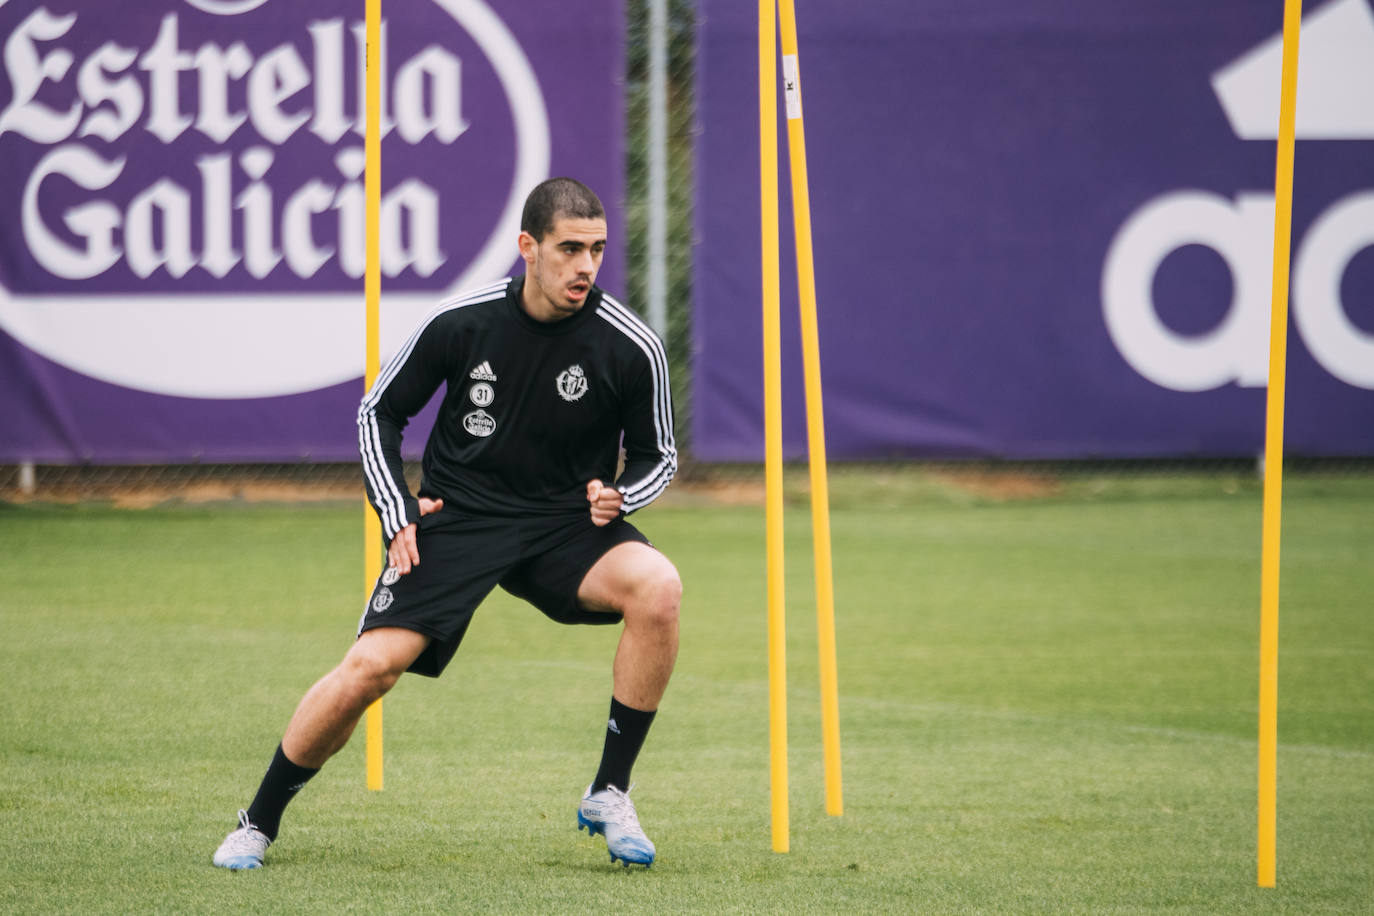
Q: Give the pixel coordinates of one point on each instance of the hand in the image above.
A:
(403, 554)
(606, 502)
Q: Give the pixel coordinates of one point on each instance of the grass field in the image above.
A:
(1048, 706)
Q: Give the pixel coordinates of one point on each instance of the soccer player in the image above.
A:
(546, 375)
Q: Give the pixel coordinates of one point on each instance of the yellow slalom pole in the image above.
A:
(1273, 454)
(372, 283)
(772, 422)
(815, 416)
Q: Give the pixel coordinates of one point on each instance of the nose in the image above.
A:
(585, 262)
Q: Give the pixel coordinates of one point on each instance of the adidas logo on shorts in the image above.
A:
(483, 373)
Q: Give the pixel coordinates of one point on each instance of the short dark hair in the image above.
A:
(555, 197)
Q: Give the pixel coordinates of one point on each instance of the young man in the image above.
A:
(545, 375)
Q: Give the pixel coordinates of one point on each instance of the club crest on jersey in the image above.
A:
(572, 383)
(383, 600)
(480, 423)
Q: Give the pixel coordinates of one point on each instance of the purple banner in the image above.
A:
(1044, 229)
(181, 273)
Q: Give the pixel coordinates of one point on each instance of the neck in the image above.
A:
(538, 305)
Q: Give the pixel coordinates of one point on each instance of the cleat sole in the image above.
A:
(240, 864)
(628, 862)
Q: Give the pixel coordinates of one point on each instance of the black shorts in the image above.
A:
(462, 558)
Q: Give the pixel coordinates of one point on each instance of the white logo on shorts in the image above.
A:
(391, 576)
(383, 600)
(480, 423)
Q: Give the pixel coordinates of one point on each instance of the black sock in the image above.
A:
(625, 733)
(281, 783)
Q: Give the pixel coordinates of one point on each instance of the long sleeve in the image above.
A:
(647, 415)
(401, 390)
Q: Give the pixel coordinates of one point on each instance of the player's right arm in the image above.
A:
(401, 390)
(403, 552)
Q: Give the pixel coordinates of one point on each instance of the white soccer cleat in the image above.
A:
(244, 848)
(611, 812)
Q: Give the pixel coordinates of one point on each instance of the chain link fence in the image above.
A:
(661, 128)
(671, 201)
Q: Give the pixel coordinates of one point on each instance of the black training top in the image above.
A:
(532, 410)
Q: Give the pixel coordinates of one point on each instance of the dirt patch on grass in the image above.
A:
(142, 488)
(148, 496)
(869, 485)
(207, 493)
(715, 492)
(999, 485)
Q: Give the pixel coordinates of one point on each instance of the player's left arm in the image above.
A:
(605, 502)
(647, 421)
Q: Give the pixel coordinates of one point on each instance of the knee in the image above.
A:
(656, 601)
(367, 675)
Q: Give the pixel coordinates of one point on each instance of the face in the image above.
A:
(560, 270)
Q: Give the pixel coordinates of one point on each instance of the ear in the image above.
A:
(528, 247)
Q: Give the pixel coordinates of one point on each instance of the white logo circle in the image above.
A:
(480, 423)
(383, 600)
(482, 394)
(226, 7)
(391, 576)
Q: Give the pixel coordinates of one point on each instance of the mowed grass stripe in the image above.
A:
(1047, 706)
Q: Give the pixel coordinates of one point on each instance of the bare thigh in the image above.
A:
(625, 575)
